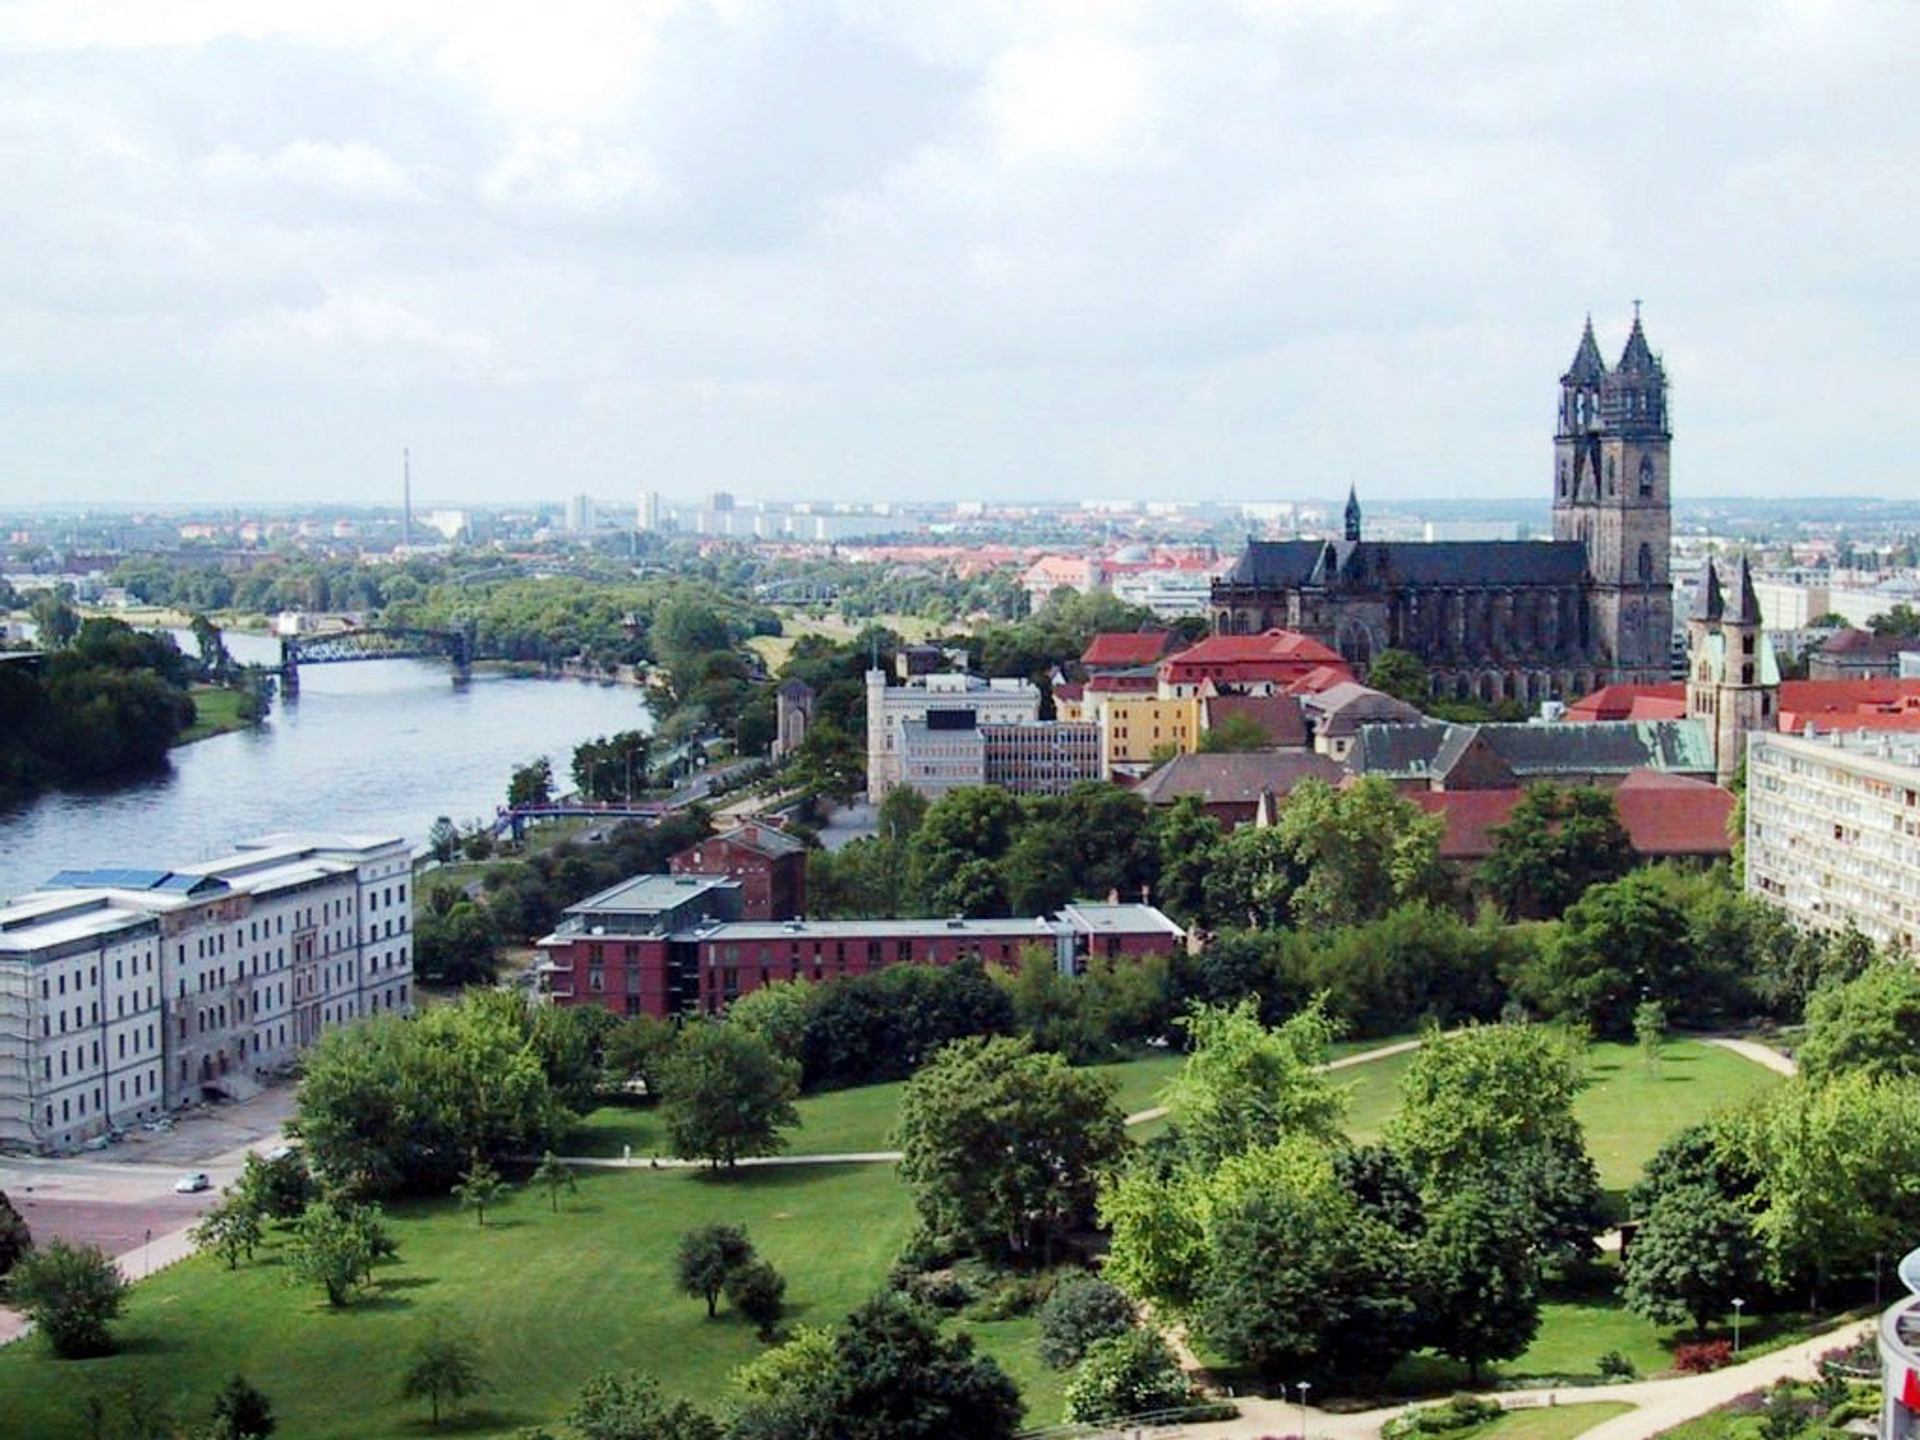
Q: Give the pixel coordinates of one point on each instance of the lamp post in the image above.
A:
(1738, 1305)
(1303, 1386)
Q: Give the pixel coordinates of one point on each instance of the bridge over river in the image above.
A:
(381, 642)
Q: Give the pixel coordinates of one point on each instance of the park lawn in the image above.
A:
(552, 1299)
(1630, 1108)
(1547, 1422)
(216, 710)
(1015, 1344)
(795, 622)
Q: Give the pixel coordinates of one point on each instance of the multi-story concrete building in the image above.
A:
(1833, 830)
(892, 707)
(124, 992)
(1041, 757)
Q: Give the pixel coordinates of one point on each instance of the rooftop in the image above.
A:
(1236, 779)
(1141, 647)
(650, 894)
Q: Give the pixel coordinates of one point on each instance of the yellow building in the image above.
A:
(1133, 727)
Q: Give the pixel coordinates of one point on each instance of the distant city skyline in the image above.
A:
(983, 251)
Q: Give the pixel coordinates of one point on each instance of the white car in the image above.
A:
(193, 1184)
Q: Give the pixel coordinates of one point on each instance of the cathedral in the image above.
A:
(1506, 619)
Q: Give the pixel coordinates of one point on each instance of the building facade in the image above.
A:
(125, 993)
(769, 866)
(1833, 830)
(1733, 680)
(1506, 620)
(953, 697)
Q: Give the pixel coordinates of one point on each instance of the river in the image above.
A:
(372, 747)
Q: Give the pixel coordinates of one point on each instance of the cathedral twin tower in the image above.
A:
(1503, 620)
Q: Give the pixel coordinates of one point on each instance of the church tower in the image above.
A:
(1733, 680)
(1611, 493)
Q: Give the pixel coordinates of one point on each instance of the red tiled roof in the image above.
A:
(1319, 679)
(1662, 814)
(1868, 704)
(1129, 682)
(1288, 645)
(1068, 692)
(1631, 702)
(1141, 647)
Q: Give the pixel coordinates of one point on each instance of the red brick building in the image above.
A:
(1276, 660)
(645, 948)
(771, 868)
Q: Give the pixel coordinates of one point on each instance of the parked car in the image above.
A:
(192, 1184)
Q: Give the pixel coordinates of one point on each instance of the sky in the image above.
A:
(913, 249)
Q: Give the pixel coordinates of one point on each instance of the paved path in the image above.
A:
(1363, 1057)
(752, 1162)
(1658, 1404)
(1760, 1054)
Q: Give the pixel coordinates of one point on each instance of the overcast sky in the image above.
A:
(901, 248)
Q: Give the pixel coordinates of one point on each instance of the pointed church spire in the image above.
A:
(1637, 358)
(1709, 603)
(1587, 368)
(1353, 513)
(1746, 608)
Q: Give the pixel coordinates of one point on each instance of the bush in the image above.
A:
(1081, 1310)
(758, 1292)
(1616, 1366)
(1701, 1356)
(1130, 1374)
(1462, 1412)
(70, 1292)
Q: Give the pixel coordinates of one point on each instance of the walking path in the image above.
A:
(1759, 1054)
(1363, 1057)
(1659, 1405)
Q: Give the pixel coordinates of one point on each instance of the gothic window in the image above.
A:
(1646, 475)
(1610, 473)
(1563, 479)
(1746, 674)
(1646, 564)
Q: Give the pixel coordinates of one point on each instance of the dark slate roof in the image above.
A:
(795, 689)
(1637, 358)
(1287, 564)
(1276, 564)
(1236, 779)
(1747, 603)
(1534, 752)
(1737, 604)
(1587, 368)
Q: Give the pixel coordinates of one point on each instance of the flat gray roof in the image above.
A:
(649, 894)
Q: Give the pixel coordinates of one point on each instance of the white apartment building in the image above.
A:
(1170, 594)
(892, 707)
(126, 992)
(1833, 830)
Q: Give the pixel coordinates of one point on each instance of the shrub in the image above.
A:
(1128, 1374)
(1462, 1412)
(1081, 1310)
(1616, 1366)
(758, 1292)
(70, 1292)
(1701, 1356)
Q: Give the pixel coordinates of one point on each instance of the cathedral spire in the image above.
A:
(1637, 358)
(1353, 513)
(1587, 368)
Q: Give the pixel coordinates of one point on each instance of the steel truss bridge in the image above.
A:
(384, 642)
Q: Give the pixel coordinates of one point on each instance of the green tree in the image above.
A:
(727, 1095)
(631, 1407)
(1238, 732)
(71, 1293)
(1482, 1280)
(1690, 1257)
(706, 1258)
(1870, 1024)
(829, 762)
(241, 1412)
(555, 1175)
(778, 1013)
(1490, 1107)
(56, 622)
(531, 783)
(1244, 1085)
(1253, 878)
(1004, 1149)
(757, 1291)
(479, 1187)
(1363, 848)
(961, 827)
(1188, 840)
(976, 889)
(612, 767)
(15, 1238)
(1080, 1310)
(327, 1248)
(443, 840)
(444, 1369)
(1554, 845)
(1401, 674)
(1130, 1374)
(274, 1189)
(1902, 622)
(635, 1051)
(1618, 944)
(231, 1229)
(1650, 1030)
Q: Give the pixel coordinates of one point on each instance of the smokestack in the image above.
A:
(406, 496)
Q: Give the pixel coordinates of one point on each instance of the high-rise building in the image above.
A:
(583, 516)
(651, 514)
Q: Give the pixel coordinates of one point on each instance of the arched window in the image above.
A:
(1646, 475)
(1646, 564)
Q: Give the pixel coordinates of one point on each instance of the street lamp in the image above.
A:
(1303, 1386)
(1738, 1305)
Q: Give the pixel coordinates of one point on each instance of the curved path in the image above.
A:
(1759, 1054)
(1658, 1404)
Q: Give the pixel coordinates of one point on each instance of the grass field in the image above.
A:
(1548, 1422)
(774, 649)
(551, 1298)
(216, 711)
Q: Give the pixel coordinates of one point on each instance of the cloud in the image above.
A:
(355, 170)
(562, 170)
(366, 333)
